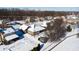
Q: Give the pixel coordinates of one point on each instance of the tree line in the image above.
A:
(16, 13)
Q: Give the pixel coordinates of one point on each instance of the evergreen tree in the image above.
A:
(69, 29)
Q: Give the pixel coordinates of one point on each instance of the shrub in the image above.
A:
(69, 29)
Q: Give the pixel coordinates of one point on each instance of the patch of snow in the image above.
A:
(23, 27)
(35, 28)
(10, 37)
(8, 30)
(70, 44)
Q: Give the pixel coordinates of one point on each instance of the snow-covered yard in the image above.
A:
(70, 43)
(25, 44)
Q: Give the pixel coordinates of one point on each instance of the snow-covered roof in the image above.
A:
(14, 22)
(1, 21)
(10, 37)
(8, 30)
(21, 22)
(16, 26)
(43, 23)
(23, 27)
(72, 17)
(35, 28)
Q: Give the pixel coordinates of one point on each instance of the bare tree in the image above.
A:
(56, 29)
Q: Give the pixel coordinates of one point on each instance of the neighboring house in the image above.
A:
(73, 17)
(30, 19)
(8, 34)
(11, 35)
(24, 27)
(48, 18)
(1, 21)
(15, 27)
(34, 29)
(16, 22)
(20, 22)
(36, 19)
(9, 31)
(41, 18)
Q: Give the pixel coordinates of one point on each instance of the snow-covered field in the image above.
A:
(69, 44)
(25, 44)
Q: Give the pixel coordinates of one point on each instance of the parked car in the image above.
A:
(43, 39)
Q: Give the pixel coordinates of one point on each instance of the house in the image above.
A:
(16, 22)
(73, 17)
(24, 27)
(1, 21)
(41, 18)
(27, 20)
(7, 34)
(15, 27)
(48, 18)
(20, 22)
(36, 19)
(45, 23)
(9, 31)
(35, 29)
(11, 35)
(30, 19)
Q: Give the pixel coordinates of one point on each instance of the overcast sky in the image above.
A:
(49, 8)
(53, 8)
